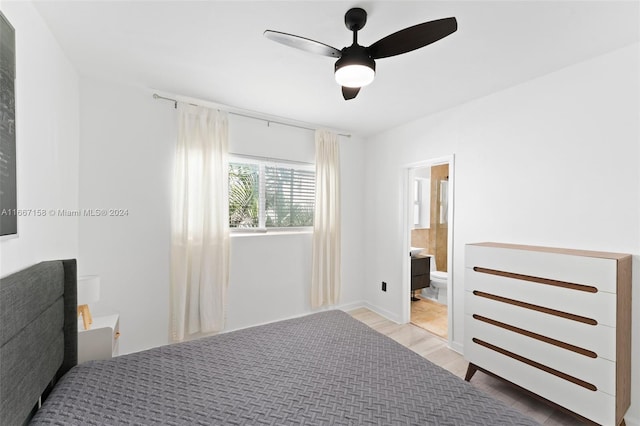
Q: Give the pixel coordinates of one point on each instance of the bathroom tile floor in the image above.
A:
(435, 350)
(430, 315)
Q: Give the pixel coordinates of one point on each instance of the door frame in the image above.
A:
(406, 237)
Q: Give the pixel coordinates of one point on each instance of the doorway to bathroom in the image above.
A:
(429, 235)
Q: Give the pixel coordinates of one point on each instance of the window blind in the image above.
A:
(264, 193)
(289, 196)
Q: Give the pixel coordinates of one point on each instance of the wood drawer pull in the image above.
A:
(540, 337)
(115, 336)
(547, 281)
(535, 364)
(573, 317)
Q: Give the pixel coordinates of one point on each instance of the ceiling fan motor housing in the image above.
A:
(355, 55)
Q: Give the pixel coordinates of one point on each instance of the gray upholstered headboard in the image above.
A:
(38, 334)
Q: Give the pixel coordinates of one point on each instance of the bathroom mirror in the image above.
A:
(444, 201)
(421, 202)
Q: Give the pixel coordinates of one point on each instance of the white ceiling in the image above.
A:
(215, 51)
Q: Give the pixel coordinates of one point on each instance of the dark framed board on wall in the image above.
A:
(8, 186)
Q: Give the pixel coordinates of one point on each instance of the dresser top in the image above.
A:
(573, 252)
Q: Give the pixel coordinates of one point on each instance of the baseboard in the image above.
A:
(457, 347)
(383, 312)
(351, 306)
(364, 304)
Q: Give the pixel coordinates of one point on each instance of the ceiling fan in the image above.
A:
(356, 66)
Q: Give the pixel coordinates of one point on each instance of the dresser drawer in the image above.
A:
(599, 306)
(594, 405)
(599, 339)
(592, 271)
(574, 364)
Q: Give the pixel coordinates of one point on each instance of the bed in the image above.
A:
(324, 368)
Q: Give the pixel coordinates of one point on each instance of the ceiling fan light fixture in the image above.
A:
(355, 75)
(355, 68)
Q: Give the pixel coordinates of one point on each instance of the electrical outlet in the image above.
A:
(384, 286)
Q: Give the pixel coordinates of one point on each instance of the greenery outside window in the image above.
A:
(267, 194)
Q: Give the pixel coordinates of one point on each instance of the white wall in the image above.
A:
(126, 162)
(554, 161)
(46, 143)
(270, 275)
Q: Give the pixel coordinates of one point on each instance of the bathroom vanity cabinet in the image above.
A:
(420, 272)
(555, 322)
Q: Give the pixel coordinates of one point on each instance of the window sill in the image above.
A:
(270, 232)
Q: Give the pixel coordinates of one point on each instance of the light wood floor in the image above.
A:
(430, 315)
(435, 350)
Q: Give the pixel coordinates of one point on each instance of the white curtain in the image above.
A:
(199, 223)
(325, 278)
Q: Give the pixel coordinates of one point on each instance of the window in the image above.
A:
(244, 195)
(265, 194)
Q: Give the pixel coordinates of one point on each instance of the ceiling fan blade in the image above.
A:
(412, 38)
(302, 43)
(350, 92)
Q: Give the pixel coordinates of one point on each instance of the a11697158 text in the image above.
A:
(65, 212)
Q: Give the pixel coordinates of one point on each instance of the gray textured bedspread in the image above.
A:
(325, 368)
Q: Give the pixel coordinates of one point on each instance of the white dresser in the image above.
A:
(555, 322)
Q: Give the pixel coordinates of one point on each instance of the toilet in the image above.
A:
(437, 289)
(439, 284)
